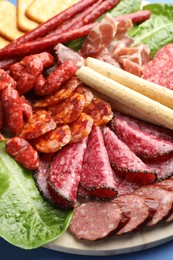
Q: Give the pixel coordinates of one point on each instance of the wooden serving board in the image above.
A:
(143, 239)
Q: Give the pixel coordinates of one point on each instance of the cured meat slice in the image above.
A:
(87, 94)
(95, 220)
(135, 208)
(42, 173)
(6, 80)
(81, 128)
(144, 145)
(163, 196)
(13, 111)
(159, 69)
(157, 131)
(56, 79)
(65, 172)
(60, 95)
(97, 176)
(39, 124)
(69, 110)
(100, 111)
(125, 162)
(53, 140)
(162, 166)
(23, 152)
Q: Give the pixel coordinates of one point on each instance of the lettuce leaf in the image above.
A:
(27, 221)
(158, 30)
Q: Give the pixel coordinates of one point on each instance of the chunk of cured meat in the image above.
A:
(65, 172)
(53, 140)
(42, 173)
(100, 111)
(131, 67)
(27, 71)
(143, 144)
(97, 176)
(6, 80)
(64, 54)
(56, 79)
(157, 131)
(95, 220)
(26, 108)
(86, 92)
(23, 152)
(125, 162)
(59, 95)
(40, 123)
(135, 208)
(164, 198)
(69, 110)
(100, 36)
(81, 128)
(162, 166)
(159, 69)
(13, 111)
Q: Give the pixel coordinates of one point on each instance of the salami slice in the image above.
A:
(143, 144)
(39, 124)
(60, 95)
(81, 128)
(56, 79)
(97, 176)
(65, 174)
(12, 110)
(53, 140)
(69, 110)
(95, 220)
(164, 198)
(23, 152)
(100, 111)
(87, 94)
(135, 208)
(6, 80)
(125, 162)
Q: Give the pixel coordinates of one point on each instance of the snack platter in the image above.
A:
(141, 239)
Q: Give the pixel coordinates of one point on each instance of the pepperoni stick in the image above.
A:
(46, 44)
(137, 17)
(51, 24)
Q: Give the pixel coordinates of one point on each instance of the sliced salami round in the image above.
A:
(95, 220)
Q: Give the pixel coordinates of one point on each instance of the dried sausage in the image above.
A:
(6, 80)
(26, 108)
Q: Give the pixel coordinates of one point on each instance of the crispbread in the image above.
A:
(3, 42)
(42, 11)
(23, 22)
(8, 27)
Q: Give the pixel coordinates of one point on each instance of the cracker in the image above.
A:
(23, 22)
(41, 11)
(3, 42)
(8, 27)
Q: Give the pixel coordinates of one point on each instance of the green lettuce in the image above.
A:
(27, 220)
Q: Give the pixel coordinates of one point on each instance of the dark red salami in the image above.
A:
(53, 140)
(95, 220)
(164, 198)
(159, 69)
(81, 128)
(125, 162)
(65, 174)
(56, 79)
(13, 111)
(39, 124)
(6, 80)
(143, 144)
(100, 111)
(97, 176)
(134, 207)
(69, 110)
(23, 152)
(60, 95)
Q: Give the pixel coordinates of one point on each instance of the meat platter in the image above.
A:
(143, 174)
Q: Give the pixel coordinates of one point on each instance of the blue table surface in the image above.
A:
(7, 251)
